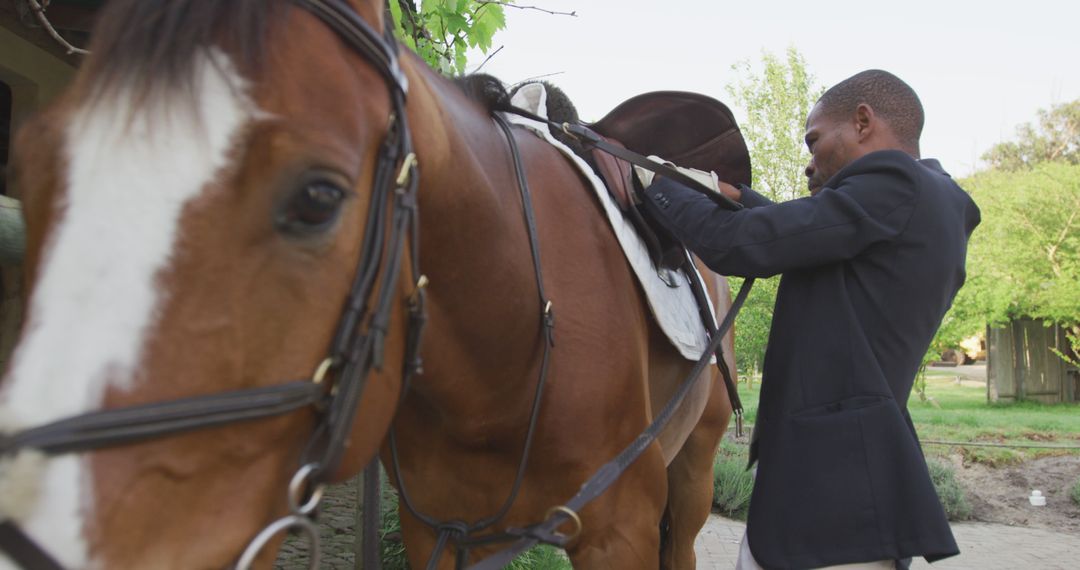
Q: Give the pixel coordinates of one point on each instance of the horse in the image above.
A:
(197, 208)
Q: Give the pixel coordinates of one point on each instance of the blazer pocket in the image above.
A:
(823, 456)
(844, 405)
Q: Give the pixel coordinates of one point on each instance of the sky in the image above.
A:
(980, 68)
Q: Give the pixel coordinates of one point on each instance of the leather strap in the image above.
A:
(610, 472)
(109, 428)
(590, 138)
(372, 517)
(23, 550)
(700, 294)
(459, 531)
(358, 34)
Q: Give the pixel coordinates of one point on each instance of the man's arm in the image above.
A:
(871, 204)
(751, 199)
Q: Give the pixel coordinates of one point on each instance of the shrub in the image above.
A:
(949, 491)
(732, 482)
(1075, 492)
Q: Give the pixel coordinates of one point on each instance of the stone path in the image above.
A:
(983, 546)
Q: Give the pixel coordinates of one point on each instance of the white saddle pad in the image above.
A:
(674, 307)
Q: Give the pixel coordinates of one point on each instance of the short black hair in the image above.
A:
(890, 98)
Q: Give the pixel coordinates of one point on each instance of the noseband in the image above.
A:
(335, 388)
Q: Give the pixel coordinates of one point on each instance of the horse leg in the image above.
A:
(690, 483)
(622, 526)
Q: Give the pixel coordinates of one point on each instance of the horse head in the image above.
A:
(198, 206)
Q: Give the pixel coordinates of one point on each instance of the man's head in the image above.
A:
(869, 111)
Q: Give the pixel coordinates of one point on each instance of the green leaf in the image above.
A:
(455, 24)
(492, 18)
(395, 13)
(460, 59)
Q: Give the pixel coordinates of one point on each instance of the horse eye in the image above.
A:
(313, 208)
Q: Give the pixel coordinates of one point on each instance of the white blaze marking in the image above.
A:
(129, 178)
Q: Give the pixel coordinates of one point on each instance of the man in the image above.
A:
(870, 262)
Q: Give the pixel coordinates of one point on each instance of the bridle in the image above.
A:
(335, 388)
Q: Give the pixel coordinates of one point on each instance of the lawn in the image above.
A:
(960, 412)
(955, 412)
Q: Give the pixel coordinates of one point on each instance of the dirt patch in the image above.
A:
(1000, 494)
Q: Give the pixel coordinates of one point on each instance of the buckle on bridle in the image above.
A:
(421, 284)
(574, 518)
(407, 166)
(323, 370)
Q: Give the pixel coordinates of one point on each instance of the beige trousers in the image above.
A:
(746, 561)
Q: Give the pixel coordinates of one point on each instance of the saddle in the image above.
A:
(687, 129)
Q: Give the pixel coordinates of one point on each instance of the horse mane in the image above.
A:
(150, 45)
(491, 94)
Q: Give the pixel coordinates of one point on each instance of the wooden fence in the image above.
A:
(1021, 366)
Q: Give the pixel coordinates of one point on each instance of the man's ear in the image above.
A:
(864, 121)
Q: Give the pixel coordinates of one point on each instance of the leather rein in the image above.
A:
(335, 389)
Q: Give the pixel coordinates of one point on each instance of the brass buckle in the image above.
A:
(406, 168)
(321, 371)
(421, 284)
(574, 518)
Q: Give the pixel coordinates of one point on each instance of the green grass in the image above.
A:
(956, 412)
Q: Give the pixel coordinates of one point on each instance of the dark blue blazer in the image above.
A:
(870, 265)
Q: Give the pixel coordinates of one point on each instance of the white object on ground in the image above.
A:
(1037, 499)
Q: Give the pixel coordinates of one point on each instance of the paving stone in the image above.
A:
(983, 546)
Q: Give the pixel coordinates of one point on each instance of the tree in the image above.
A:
(1056, 138)
(1025, 256)
(441, 31)
(776, 101)
(1024, 259)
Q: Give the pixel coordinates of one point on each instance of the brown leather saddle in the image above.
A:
(687, 129)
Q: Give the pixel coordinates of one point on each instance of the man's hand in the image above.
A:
(729, 191)
(707, 179)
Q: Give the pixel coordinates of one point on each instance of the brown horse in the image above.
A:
(196, 205)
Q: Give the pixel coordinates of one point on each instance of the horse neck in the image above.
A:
(484, 309)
